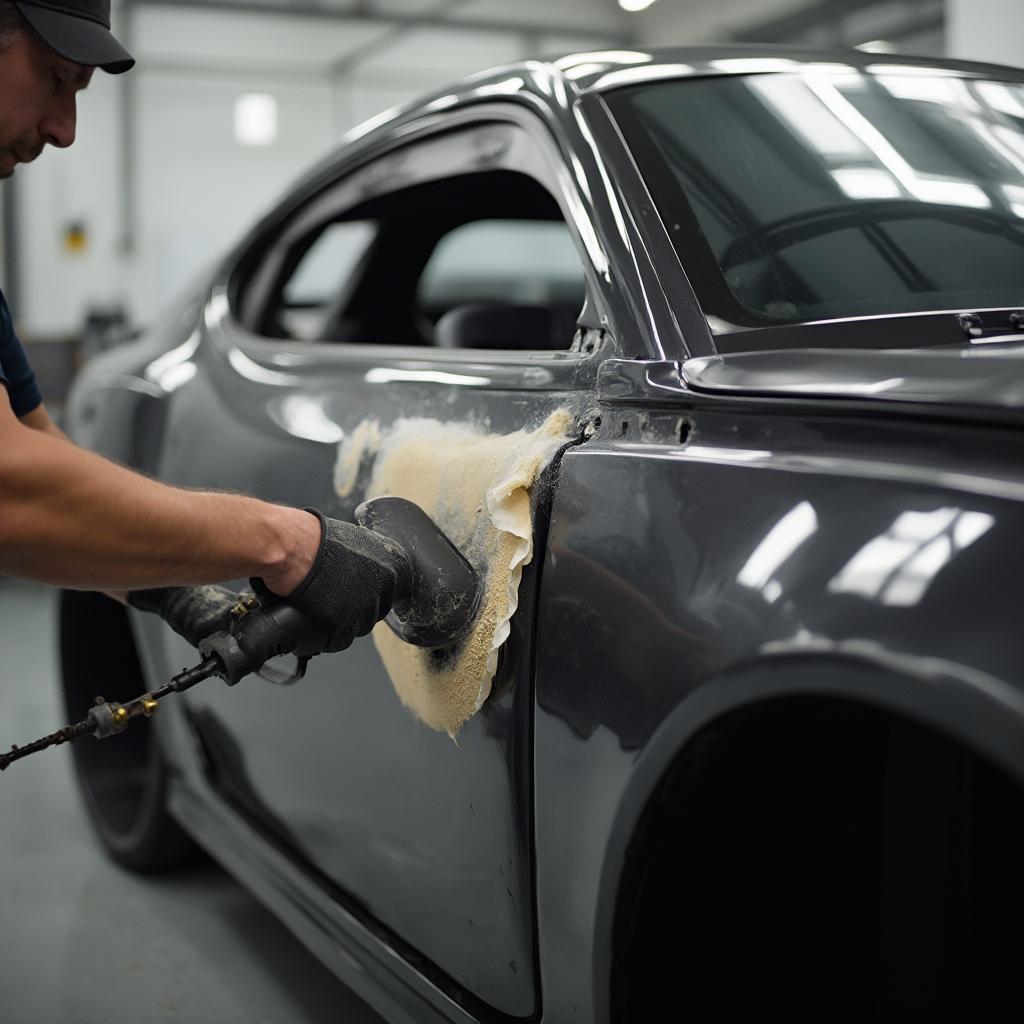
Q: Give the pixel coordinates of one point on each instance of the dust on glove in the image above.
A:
(192, 612)
(352, 583)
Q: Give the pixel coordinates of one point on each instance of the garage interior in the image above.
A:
(230, 102)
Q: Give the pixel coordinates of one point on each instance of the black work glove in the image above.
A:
(192, 612)
(352, 583)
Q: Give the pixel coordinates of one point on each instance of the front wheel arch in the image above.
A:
(792, 751)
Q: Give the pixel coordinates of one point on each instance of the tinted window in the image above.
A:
(837, 192)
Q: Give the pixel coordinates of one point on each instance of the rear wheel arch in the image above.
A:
(740, 846)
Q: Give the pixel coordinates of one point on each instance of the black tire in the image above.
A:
(123, 780)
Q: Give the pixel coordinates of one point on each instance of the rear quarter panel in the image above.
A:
(117, 405)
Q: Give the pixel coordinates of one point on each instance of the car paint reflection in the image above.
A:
(897, 567)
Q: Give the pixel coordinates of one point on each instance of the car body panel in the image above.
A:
(657, 555)
(479, 881)
(430, 851)
(985, 376)
(433, 837)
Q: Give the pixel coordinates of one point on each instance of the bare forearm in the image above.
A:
(72, 518)
(39, 419)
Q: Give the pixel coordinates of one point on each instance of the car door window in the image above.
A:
(477, 260)
(502, 263)
(318, 276)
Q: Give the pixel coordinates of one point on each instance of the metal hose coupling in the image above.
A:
(109, 718)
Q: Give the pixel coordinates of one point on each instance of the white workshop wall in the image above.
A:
(64, 185)
(197, 189)
(990, 30)
(693, 22)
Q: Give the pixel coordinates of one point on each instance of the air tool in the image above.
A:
(436, 602)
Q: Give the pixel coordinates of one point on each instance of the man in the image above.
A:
(71, 518)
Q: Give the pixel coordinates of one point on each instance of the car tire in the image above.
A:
(123, 780)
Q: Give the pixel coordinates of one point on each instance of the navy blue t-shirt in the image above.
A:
(15, 372)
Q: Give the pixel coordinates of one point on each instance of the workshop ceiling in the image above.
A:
(378, 24)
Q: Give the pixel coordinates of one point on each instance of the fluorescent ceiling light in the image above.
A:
(906, 69)
(877, 46)
(930, 189)
(506, 87)
(1010, 138)
(951, 191)
(630, 76)
(807, 115)
(788, 534)
(866, 183)
(1015, 196)
(635, 5)
(578, 71)
(383, 375)
(754, 65)
(256, 119)
(603, 57)
(1004, 98)
(919, 87)
(898, 567)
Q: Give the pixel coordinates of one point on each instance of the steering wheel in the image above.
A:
(800, 227)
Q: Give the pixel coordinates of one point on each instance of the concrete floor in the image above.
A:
(83, 942)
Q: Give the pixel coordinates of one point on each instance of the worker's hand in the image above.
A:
(192, 612)
(352, 583)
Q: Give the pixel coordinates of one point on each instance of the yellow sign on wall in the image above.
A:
(76, 237)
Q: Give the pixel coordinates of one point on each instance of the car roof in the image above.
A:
(551, 86)
(601, 71)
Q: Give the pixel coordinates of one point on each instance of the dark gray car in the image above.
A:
(756, 737)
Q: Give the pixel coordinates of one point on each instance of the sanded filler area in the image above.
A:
(83, 942)
(476, 485)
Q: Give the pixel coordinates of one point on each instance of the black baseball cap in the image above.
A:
(78, 30)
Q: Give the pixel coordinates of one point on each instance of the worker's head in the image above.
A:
(48, 52)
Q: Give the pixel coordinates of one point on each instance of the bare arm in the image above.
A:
(40, 419)
(74, 519)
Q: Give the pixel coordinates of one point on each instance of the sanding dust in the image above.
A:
(352, 452)
(476, 487)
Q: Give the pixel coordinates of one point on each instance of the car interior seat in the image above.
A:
(493, 325)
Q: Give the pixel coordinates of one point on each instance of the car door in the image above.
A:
(352, 314)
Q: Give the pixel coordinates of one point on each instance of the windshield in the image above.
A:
(836, 192)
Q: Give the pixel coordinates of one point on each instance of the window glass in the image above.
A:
(320, 275)
(527, 262)
(837, 191)
(476, 260)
